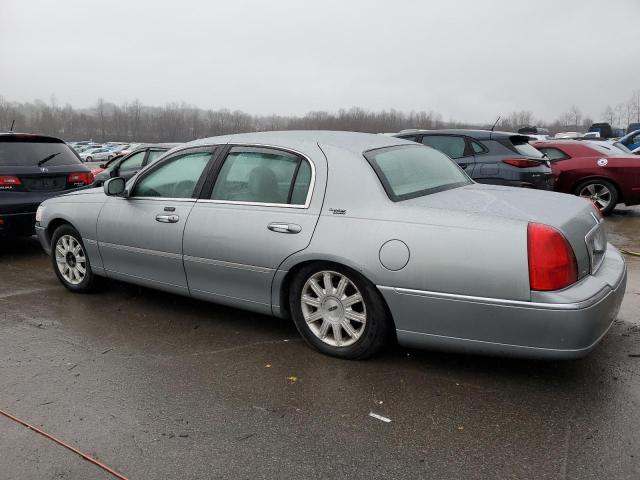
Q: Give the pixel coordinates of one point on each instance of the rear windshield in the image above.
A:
(410, 171)
(522, 146)
(16, 151)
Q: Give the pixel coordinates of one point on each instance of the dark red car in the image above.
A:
(595, 170)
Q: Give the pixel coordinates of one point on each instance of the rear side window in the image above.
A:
(522, 146)
(20, 151)
(451, 146)
(262, 175)
(554, 153)
(413, 171)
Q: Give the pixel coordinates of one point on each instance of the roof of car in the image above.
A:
(477, 134)
(30, 136)
(352, 141)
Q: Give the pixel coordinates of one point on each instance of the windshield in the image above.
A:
(409, 171)
(606, 149)
(17, 151)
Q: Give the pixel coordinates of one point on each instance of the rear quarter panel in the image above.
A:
(450, 251)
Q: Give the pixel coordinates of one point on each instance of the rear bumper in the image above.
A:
(17, 224)
(568, 324)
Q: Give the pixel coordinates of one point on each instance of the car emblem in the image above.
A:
(44, 169)
(603, 162)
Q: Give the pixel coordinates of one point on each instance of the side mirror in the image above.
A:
(114, 186)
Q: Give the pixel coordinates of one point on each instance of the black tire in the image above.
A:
(90, 281)
(88, 159)
(615, 195)
(376, 330)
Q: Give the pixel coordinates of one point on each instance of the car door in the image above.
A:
(261, 206)
(140, 235)
(130, 166)
(455, 147)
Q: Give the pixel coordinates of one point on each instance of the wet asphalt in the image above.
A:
(158, 386)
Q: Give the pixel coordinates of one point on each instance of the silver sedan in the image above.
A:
(360, 239)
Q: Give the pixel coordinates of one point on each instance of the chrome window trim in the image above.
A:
(312, 182)
(306, 204)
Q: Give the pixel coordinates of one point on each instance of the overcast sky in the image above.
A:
(468, 60)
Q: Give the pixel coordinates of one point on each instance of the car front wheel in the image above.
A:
(88, 159)
(602, 193)
(338, 312)
(70, 260)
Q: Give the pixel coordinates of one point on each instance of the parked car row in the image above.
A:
(91, 152)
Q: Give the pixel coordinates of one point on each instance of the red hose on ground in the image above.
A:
(61, 443)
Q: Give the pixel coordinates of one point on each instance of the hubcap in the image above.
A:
(598, 193)
(333, 308)
(71, 259)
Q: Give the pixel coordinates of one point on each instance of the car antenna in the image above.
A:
(13, 122)
(494, 125)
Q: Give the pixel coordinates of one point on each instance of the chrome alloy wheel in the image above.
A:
(71, 259)
(333, 308)
(598, 193)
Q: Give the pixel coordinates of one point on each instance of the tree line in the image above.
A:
(179, 122)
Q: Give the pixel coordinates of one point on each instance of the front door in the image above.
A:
(262, 208)
(140, 236)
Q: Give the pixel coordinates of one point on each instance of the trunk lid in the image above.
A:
(575, 218)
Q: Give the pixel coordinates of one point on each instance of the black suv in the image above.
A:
(498, 158)
(32, 169)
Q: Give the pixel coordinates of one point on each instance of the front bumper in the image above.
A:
(567, 324)
(41, 232)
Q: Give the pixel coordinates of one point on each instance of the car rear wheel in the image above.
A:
(338, 312)
(88, 159)
(70, 260)
(602, 193)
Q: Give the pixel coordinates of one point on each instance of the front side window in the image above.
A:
(451, 146)
(154, 155)
(177, 178)
(133, 163)
(262, 175)
(413, 171)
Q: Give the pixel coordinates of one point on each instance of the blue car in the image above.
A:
(631, 140)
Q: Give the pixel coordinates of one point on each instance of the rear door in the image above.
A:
(140, 236)
(261, 205)
(455, 147)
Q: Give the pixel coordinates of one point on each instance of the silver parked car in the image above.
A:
(359, 238)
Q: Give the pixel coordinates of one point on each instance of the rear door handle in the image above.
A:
(284, 227)
(167, 218)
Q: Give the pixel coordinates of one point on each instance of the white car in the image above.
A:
(97, 154)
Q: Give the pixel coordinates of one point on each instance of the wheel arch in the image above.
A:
(54, 224)
(282, 285)
(615, 183)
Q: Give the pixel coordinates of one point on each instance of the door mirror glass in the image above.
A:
(114, 186)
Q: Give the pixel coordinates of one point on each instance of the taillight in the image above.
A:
(522, 162)
(552, 263)
(595, 206)
(85, 178)
(9, 181)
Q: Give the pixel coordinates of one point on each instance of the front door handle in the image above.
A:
(284, 227)
(167, 218)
